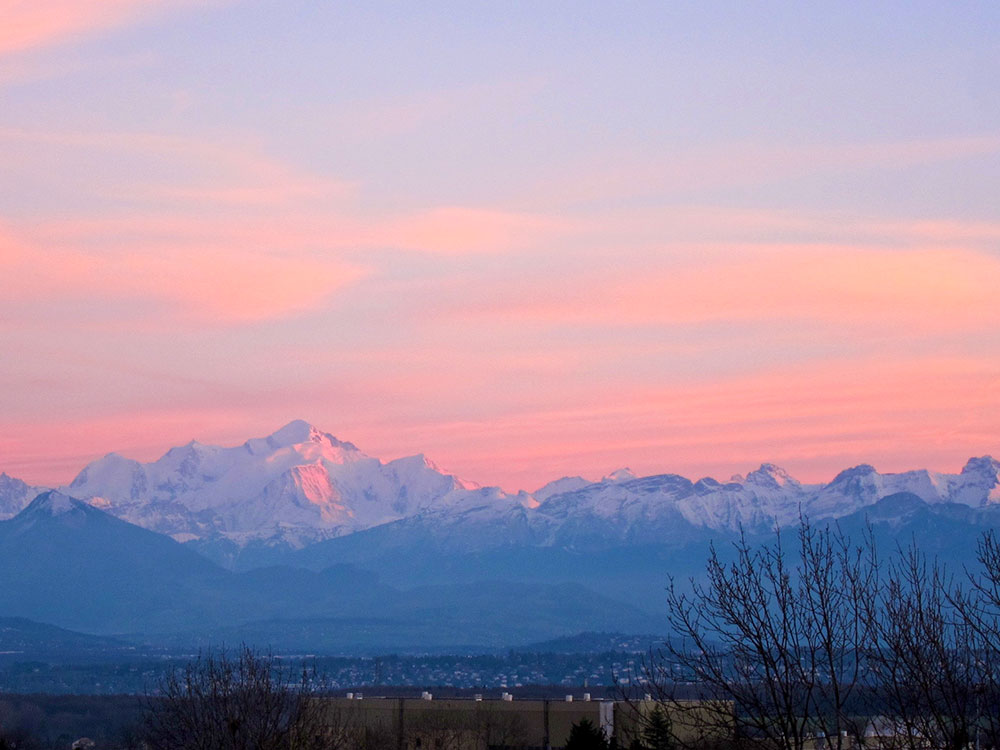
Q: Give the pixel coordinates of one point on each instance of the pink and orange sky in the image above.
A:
(528, 240)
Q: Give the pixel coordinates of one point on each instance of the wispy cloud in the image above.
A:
(915, 290)
(201, 283)
(191, 172)
(29, 25)
(815, 419)
(678, 172)
(216, 232)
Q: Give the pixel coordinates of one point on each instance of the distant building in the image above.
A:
(477, 724)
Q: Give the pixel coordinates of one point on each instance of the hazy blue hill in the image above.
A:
(22, 639)
(409, 553)
(484, 615)
(412, 553)
(947, 531)
(404, 585)
(518, 613)
(64, 562)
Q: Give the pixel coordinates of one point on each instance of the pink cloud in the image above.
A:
(222, 284)
(458, 230)
(211, 192)
(235, 267)
(177, 171)
(929, 288)
(814, 419)
(27, 25)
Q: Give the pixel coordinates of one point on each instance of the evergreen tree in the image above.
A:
(656, 735)
(585, 736)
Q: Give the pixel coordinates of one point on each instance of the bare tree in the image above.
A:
(835, 580)
(935, 660)
(921, 656)
(979, 607)
(249, 701)
(789, 646)
(771, 647)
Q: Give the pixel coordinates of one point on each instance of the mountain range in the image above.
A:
(301, 532)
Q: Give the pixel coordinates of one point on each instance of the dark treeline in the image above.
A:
(823, 641)
(41, 722)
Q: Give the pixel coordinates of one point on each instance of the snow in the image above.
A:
(558, 487)
(619, 475)
(298, 482)
(54, 504)
(293, 433)
(15, 495)
(769, 475)
(300, 485)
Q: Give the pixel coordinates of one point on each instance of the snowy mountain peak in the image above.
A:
(53, 503)
(417, 461)
(189, 448)
(979, 477)
(986, 466)
(7, 481)
(295, 486)
(295, 432)
(109, 464)
(300, 485)
(623, 474)
(411, 468)
(117, 476)
(14, 495)
(854, 473)
(559, 486)
(770, 475)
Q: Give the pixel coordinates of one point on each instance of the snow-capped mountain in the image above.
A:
(301, 485)
(630, 507)
(767, 496)
(15, 495)
(321, 529)
(296, 485)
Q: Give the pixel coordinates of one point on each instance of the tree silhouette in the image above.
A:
(585, 736)
(250, 701)
(657, 733)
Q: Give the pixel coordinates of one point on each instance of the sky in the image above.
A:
(528, 240)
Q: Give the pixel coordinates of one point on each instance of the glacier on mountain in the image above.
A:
(300, 485)
(15, 495)
(295, 486)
